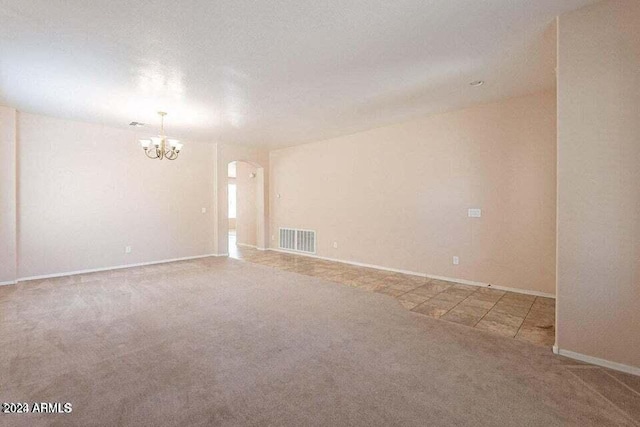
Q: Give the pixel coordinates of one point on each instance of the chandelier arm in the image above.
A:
(151, 156)
(171, 155)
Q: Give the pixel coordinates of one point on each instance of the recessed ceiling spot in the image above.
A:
(477, 83)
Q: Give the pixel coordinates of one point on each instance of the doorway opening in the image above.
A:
(242, 206)
(232, 208)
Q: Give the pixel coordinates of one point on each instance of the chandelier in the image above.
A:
(160, 147)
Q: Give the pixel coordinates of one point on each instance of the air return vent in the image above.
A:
(293, 239)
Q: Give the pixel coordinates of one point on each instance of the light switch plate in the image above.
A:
(475, 213)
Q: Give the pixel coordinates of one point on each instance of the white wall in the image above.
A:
(598, 306)
(398, 196)
(86, 191)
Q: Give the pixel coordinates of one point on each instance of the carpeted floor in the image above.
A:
(224, 342)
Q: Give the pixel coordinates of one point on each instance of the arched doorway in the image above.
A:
(252, 173)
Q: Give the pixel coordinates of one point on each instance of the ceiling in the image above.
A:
(271, 73)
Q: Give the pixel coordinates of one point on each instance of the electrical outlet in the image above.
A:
(456, 260)
(273, 237)
(127, 249)
(335, 245)
(204, 210)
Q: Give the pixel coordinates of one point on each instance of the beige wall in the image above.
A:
(398, 196)
(8, 238)
(87, 191)
(598, 306)
(246, 204)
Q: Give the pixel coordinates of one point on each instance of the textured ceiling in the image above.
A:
(271, 73)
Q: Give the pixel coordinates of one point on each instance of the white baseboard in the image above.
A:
(359, 264)
(520, 291)
(413, 273)
(488, 285)
(117, 267)
(10, 282)
(246, 245)
(597, 361)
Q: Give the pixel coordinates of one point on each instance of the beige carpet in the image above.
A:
(224, 342)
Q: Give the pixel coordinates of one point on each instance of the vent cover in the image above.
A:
(293, 239)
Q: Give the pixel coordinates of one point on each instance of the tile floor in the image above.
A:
(523, 317)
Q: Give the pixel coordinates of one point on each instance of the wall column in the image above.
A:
(8, 201)
(598, 280)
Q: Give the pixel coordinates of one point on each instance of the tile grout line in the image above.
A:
(460, 302)
(418, 287)
(485, 315)
(469, 296)
(525, 317)
(429, 299)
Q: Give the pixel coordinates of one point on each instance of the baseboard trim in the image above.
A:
(117, 267)
(597, 361)
(246, 245)
(10, 282)
(414, 273)
(359, 264)
(520, 291)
